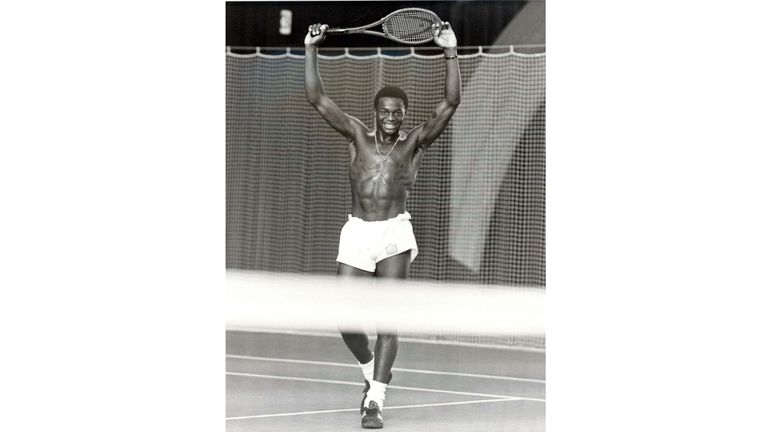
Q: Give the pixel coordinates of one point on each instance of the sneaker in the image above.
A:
(372, 417)
(365, 392)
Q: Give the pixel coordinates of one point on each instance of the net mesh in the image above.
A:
(410, 25)
(478, 204)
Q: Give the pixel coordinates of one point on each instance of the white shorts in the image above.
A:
(362, 244)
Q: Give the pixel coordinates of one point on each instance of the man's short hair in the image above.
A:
(390, 91)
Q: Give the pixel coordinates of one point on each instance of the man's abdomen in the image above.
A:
(378, 198)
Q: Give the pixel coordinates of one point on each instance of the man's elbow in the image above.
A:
(313, 98)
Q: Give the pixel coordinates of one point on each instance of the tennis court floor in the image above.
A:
(306, 382)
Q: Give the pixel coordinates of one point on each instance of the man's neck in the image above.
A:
(387, 139)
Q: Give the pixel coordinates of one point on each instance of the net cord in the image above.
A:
(393, 48)
(347, 53)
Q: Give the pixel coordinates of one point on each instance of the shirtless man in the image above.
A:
(378, 240)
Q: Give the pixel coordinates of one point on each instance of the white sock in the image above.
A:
(367, 369)
(376, 393)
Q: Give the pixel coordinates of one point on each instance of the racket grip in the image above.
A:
(336, 31)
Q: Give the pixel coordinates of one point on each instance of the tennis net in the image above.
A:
(486, 314)
(478, 205)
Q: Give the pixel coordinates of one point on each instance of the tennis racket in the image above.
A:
(412, 26)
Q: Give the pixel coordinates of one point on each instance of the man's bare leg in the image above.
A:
(356, 342)
(394, 267)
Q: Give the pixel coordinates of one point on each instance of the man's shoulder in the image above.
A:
(362, 133)
(412, 134)
(360, 127)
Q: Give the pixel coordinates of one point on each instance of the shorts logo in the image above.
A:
(391, 249)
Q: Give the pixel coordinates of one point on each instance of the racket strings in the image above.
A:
(410, 26)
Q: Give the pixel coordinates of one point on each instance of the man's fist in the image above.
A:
(316, 34)
(443, 35)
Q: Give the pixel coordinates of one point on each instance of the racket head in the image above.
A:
(412, 26)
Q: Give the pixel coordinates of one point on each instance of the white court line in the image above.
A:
(298, 413)
(386, 408)
(291, 378)
(347, 365)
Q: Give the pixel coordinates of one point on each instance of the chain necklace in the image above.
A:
(376, 141)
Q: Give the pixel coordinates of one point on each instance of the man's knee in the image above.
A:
(387, 337)
(354, 337)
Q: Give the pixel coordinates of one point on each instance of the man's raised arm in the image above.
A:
(313, 85)
(433, 127)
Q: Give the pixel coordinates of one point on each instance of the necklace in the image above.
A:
(376, 141)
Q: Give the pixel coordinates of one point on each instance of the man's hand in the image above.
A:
(315, 35)
(443, 35)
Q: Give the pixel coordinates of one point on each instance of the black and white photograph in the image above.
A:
(385, 216)
(450, 215)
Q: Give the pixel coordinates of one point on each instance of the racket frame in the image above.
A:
(364, 29)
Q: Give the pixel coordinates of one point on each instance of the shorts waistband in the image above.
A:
(404, 216)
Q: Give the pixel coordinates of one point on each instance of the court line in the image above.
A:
(327, 381)
(347, 365)
(385, 408)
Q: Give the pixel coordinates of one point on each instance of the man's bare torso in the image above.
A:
(381, 183)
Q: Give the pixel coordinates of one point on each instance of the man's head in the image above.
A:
(390, 104)
(393, 92)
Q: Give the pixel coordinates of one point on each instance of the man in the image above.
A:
(378, 240)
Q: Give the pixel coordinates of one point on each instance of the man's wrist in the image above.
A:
(449, 52)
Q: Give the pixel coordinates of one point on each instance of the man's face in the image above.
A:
(389, 114)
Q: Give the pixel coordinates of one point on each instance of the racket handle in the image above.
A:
(336, 31)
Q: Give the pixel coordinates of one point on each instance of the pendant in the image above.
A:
(379, 162)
